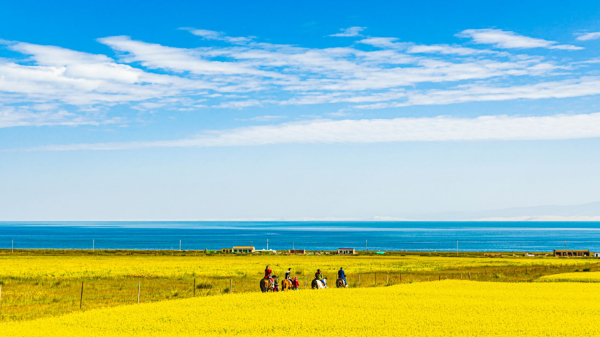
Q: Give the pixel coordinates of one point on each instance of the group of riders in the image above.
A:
(321, 281)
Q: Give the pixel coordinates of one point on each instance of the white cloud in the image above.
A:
(266, 118)
(379, 70)
(411, 48)
(485, 128)
(510, 40)
(588, 36)
(47, 116)
(71, 77)
(155, 56)
(213, 35)
(478, 93)
(383, 42)
(349, 32)
(446, 49)
(239, 104)
(207, 34)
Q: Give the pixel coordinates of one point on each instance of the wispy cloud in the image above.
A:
(14, 117)
(266, 118)
(239, 104)
(349, 32)
(510, 40)
(240, 72)
(485, 128)
(478, 93)
(447, 49)
(588, 36)
(213, 35)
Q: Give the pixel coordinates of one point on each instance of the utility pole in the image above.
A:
(179, 244)
(250, 243)
(12, 248)
(267, 244)
(456, 247)
(293, 245)
(93, 246)
(366, 245)
(565, 242)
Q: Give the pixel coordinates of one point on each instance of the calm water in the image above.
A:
(413, 236)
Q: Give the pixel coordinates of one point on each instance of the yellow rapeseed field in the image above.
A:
(446, 308)
(36, 286)
(65, 267)
(571, 277)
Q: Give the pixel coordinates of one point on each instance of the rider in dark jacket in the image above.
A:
(342, 275)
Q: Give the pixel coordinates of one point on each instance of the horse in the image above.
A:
(266, 285)
(286, 285)
(317, 284)
(340, 283)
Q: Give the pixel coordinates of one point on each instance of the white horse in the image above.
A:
(317, 284)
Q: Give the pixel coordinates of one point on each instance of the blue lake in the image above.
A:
(411, 236)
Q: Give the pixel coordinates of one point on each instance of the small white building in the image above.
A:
(346, 251)
(596, 254)
(266, 251)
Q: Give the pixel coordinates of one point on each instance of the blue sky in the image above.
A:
(229, 110)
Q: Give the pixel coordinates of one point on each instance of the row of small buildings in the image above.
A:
(251, 249)
(574, 253)
(352, 251)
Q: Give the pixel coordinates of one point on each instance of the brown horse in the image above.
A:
(286, 285)
(266, 285)
(340, 283)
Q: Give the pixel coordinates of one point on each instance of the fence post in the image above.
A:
(194, 287)
(375, 279)
(0, 296)
(81, 297)
(439, 277)
(400, 278)
(359, 280)
(469, 275)
(388, 278)
(230, 284)
(305, 281)
(139, 288)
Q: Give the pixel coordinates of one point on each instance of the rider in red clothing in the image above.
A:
(268, 272)
(268, 275)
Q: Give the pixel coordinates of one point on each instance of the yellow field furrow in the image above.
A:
(447, 308)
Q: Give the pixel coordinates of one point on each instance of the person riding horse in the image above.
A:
(319, 277)
(342, 275)
(266, 283)
(268, 273)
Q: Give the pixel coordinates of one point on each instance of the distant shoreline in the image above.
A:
(323, 253)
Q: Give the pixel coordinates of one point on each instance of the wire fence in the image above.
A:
(22, 299)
